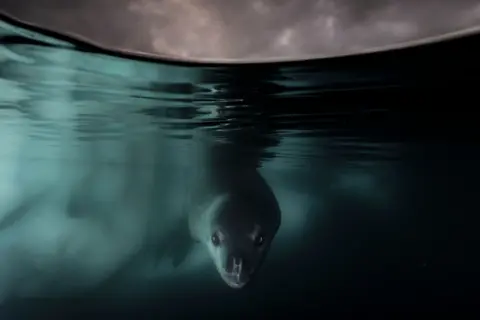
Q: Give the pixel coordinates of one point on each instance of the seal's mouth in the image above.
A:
(234, 280)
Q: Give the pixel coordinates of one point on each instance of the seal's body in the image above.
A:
(233, 212)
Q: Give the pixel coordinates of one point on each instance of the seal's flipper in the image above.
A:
(182, 246)
(177, 244)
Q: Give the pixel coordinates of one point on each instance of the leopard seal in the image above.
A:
(231, 211)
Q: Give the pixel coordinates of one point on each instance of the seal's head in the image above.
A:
(241, 230)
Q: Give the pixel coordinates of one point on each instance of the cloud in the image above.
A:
(254, 29)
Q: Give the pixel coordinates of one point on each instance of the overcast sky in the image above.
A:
(249, 29)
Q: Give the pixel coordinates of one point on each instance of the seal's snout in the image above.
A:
(236, 273)
(235, 264)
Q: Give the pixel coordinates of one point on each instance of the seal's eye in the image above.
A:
(259, 240)
(215, 239)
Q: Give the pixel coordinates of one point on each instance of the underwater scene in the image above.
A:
(144, 188)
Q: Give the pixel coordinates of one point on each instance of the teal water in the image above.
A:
(376, 180)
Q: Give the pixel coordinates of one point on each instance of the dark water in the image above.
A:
(374, 161)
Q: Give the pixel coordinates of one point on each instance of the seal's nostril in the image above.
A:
(234, 264)
(236, 261)
(237, 265)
